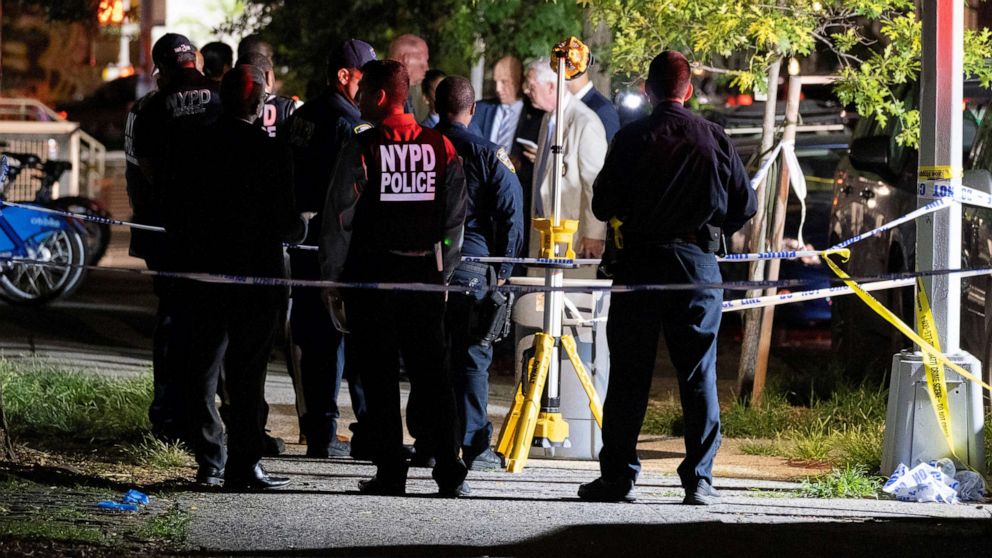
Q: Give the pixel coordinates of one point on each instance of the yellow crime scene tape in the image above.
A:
(935, 372)
(940, 172)
(934, 359)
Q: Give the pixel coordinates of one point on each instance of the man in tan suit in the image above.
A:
(584, 152)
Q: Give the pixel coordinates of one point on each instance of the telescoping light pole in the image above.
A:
(535, 418)
(911, 436)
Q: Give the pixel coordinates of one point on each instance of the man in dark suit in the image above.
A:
(509, 117)
(229, 209)
(583, 88)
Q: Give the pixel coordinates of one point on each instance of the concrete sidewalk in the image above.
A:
(537, 513)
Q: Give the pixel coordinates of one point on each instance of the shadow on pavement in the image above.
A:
(896, 538)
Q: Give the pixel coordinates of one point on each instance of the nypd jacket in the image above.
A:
(275, 113)
(164, 123)
(668, 175)
(494, 221)
(396, 187)
(230, 204)
(316, 133)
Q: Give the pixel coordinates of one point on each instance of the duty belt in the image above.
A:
(474, 267)
(412, 253)
(683, 238)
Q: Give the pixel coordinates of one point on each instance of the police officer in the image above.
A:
(255, 43)
(218, 59)
(395, 214)
(493, 227)
(278, 108)
(676, 183)
(159, 123)
(229, 210)
(316, 134)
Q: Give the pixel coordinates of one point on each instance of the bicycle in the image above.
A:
(97, 234)
(42, 256)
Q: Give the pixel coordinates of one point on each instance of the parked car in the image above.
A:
(103, 113)
(875, 184)
(819, 155)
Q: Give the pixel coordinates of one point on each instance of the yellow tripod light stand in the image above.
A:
(535, 416)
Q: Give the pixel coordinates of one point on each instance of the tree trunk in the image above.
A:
(478, 74)
(775, 238)
(756, 243)
(600, 40)
(6, 444)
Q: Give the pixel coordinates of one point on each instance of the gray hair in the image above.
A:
(542, 71)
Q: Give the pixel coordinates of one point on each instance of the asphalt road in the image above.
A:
(109, 320)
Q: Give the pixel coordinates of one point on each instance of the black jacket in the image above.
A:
(161, 125)
(317, 130)
(353, 231)
(315, 133)
(669, 174)
(494, 222)
(230, 204)
(275, 113)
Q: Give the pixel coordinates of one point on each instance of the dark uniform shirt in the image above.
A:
(397, 187)
(315, 133)
(138, 186)
(494, 221)
(230, 205)
(275, 113)
(669, 174)
(164, 122)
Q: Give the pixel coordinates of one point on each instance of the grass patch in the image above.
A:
(988, 443)
(664, 418)
(767, 419)
(44, 527)
(171, 526)
(157, 454)
(814, 445)
(846, 482)
(844, 430)
(47, 402)
(861, 446)
(761, 447)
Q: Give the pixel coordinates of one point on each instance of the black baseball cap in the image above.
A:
(352, 53)
(171, 50)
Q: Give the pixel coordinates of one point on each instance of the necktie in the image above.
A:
(542, 164)
(507, 129)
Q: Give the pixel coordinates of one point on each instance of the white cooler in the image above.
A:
(585, 320)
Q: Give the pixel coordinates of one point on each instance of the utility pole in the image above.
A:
(146, 21)
(913, 436)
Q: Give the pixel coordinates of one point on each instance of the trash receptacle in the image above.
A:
(584, 319)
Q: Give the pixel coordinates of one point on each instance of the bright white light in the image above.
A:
(632, 101)
(793, 67)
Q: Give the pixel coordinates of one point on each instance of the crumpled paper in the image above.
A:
(923, 483)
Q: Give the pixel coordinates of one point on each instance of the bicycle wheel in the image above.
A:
(97, 234)
(24, 283)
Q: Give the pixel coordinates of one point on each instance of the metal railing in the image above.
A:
(28, 126)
